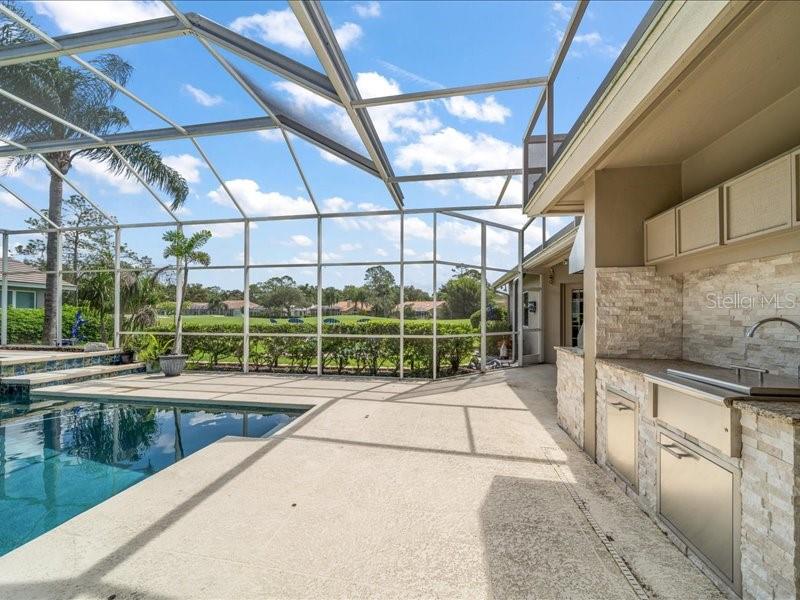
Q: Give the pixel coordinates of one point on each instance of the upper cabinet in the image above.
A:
(758, 202)
(764, 200)
(796, 187)
(699, 221)
(659, 237)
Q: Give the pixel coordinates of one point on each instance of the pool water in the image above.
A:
(59, 458)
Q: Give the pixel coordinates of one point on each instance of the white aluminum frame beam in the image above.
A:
(464, 90)
(458, 175)
(320, 34)
(93, 40)
(144, 136)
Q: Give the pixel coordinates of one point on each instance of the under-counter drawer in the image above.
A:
(709, 421)
(621, 436)
(698, 498)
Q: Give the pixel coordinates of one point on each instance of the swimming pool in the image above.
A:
(59, 458)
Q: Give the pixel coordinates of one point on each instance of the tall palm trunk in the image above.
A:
(51, 299)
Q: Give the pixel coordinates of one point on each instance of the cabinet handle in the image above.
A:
(620, 406)
(670, 449)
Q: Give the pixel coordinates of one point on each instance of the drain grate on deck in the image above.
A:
(604, 538)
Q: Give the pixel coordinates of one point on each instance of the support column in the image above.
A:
(435, 367)
(59, 288)
(549, 153)
(246, 304)
(319, 296)
(117, 294)
(402, 290)
(520, 280)
(483, 297)
(178, 302)
(4, 299)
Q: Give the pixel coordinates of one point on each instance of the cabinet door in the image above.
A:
(759, 202)
(659, 237)
(698, 221)
(621, 436)
(796, 188)
(696, 498)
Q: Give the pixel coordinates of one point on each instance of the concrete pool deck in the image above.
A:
(462, 488)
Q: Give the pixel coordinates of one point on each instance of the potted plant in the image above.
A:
(187, 251)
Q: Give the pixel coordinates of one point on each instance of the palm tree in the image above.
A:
(186, 250)
(83, 99)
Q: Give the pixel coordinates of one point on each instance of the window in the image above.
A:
(25, 300)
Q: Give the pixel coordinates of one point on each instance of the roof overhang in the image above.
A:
(677, 39)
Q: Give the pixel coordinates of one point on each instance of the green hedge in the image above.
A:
(369, 355)
(25, 325)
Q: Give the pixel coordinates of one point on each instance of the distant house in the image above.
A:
(26, 285)
(229, 308)
(343, 307)
(422, 309)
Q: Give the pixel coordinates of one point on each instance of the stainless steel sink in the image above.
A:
(745, 383)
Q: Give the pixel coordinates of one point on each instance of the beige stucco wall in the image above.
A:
(552, 280)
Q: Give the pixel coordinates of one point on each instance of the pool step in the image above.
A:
(22, 384)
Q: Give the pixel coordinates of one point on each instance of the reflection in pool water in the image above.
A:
(60, 458)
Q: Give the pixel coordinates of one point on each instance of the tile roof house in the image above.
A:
(26, 285)
(421, 308)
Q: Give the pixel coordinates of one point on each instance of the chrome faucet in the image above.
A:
(753, 328)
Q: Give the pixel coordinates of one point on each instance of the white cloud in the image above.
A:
(394, 122)
(270, 135)
(335, 204)
(381, 252)
(202, 97)
(490, 110)
(561, 10)
(301, 240)
(187, 165)
(593, 43)
(303, 99)
(9, 201)
(452, 150)
(463, 232)
(348, 247)
(256, 202)
(281, 27)
(368, 10)
(222, 230)
(331, 158)
(348, 34)
(34, 175)
(100, 173)
(81, 15)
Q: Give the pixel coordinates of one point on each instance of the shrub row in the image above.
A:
(25, 325)
(367, 355)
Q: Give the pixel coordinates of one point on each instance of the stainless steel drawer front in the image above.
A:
(621, 438)
(696, 497)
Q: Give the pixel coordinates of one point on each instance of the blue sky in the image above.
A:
(392, 47)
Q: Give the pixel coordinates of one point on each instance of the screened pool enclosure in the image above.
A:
(302, 280)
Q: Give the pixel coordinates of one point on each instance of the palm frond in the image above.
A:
(148, 164)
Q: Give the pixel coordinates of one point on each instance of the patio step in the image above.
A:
(16, 385)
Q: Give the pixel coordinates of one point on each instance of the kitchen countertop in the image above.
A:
(656, 370)
(571, 349)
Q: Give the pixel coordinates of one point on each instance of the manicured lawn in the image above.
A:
(205, 320)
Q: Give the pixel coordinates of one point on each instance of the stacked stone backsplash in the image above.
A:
(720, 303)
(639, 313)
